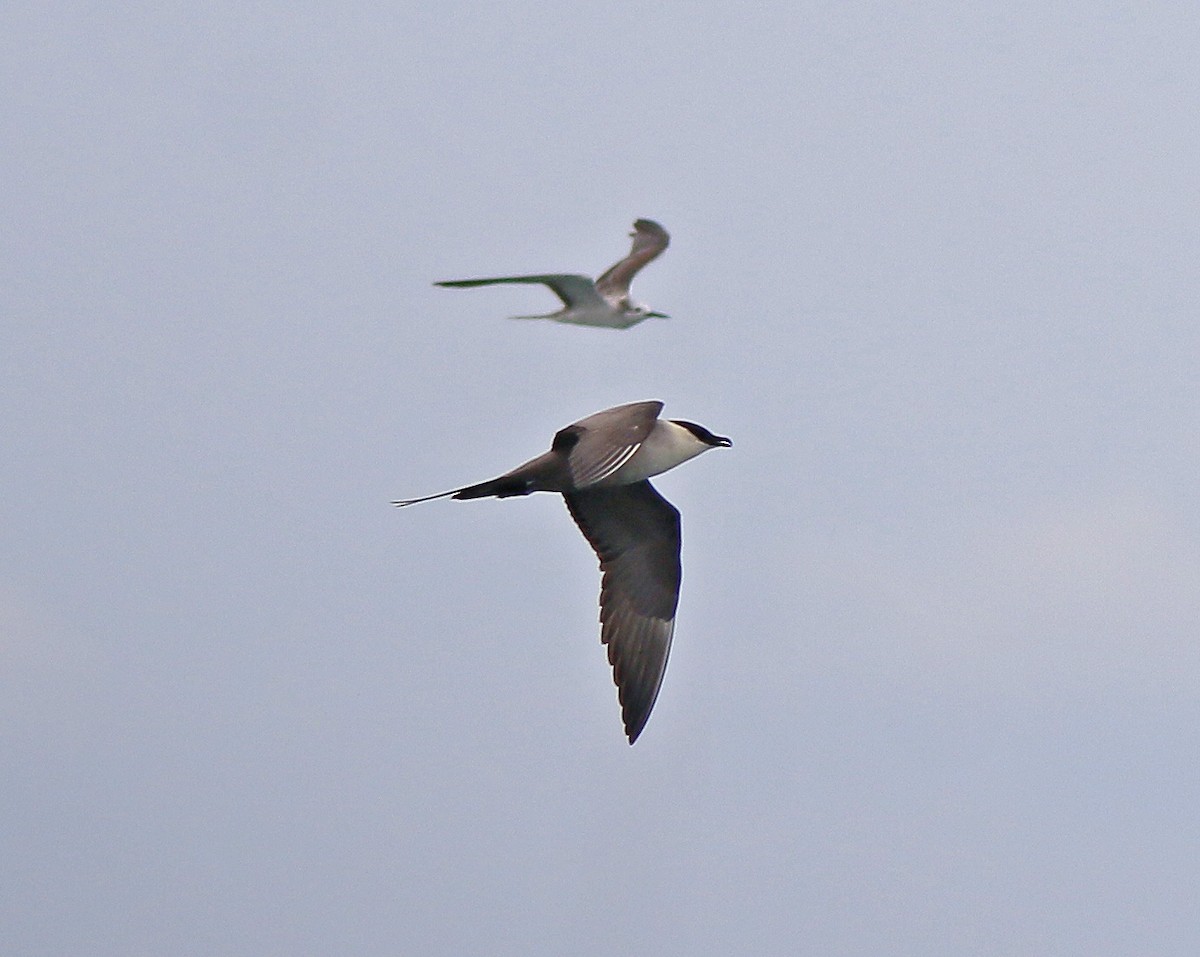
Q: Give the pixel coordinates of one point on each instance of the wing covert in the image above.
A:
(605, 441)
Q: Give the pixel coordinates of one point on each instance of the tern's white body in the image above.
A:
(604, 314)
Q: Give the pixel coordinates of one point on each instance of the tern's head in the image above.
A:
(703, 435)
(638, 311)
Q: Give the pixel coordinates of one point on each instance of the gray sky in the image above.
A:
(936, 677)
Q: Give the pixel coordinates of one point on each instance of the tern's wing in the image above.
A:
(635, 533)
(574, 291)
(597, 446)
(649, 240)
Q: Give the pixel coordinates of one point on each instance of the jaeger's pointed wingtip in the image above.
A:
(635, 725)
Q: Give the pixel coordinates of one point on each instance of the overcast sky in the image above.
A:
(935, 687)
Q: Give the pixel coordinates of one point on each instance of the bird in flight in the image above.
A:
(601, 466)
(600, 302)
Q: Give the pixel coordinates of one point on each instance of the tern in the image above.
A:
(600, 302)
(601, 466)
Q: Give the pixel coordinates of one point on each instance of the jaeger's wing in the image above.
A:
(635, 532)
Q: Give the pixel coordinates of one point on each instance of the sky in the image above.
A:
(935, 687)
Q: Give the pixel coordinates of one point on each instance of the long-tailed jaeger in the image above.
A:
(601, 302)
(601, 466)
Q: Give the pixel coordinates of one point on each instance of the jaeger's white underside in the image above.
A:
(667, 446)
